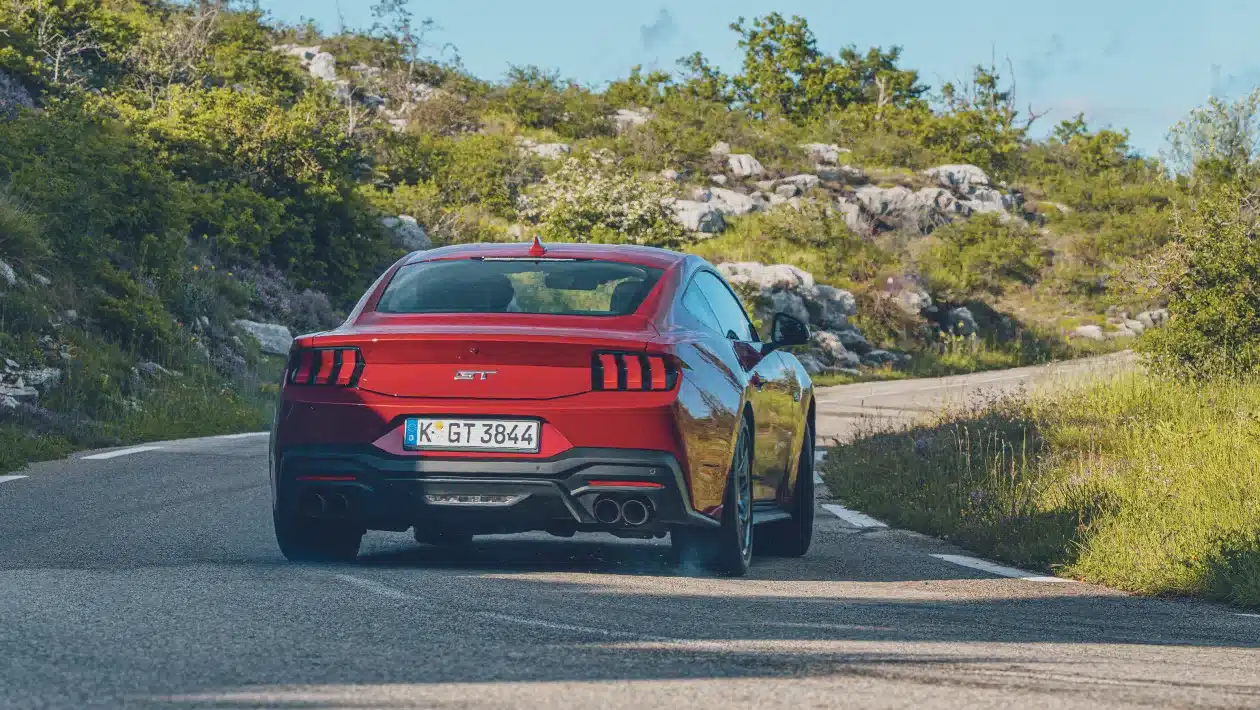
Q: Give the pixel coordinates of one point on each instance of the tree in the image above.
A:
(785, 74)
(703, 81)
(1218, 142)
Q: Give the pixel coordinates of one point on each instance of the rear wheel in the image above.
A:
(304, 539)
(728, 549)
(792, 537)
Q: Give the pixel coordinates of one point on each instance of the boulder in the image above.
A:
(696, 216)
(8, 276)
(720, 149)
(1153, 318)
(854, 341)
(840, 173)
(900, 208)
(273, 339)
(671, 175)
(784, 277)
(13, 96)
(1135, 326)
(784, 302)
(812, 363)
(717, 179)
(731, 203)
(960, 321)
(42, 379)
(959, 179)
(1089, 332)
(407, 233)
(323, 66)
(825, 153)
(830, 307)
(855, 218)
(803, 183)
(879, 358)
(153, 371)
(743, 165)
(787, 190)
(627, 118)
(550, 151)
(827, 344)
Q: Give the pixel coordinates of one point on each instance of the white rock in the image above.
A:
(671, 175)
(696, 216)
(961, 179)
(717, 179)
(274, 339)
(721, 148)
(767, 277)
(551, 151)
(398, 124)
(787, 190)
(1089, 332)
(407, 232)
(812, 363)
(41, 280)
(854, 341)
(732, 203)
(1135, 325)
(13, 96)
(855, 218)
(804, 182)
(826, 153)
(42, 379)
(7, 274)
(323, 66)
(743, 165)
(626, 118)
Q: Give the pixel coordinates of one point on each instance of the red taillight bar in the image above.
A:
(632, 372)
(325, 367)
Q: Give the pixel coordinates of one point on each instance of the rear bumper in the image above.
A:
(385, 492)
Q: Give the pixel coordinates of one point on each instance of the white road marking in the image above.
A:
(853, 517)
(120, 452)
(248, 435)
(1249, 616)
(999, 570)
(6, 479)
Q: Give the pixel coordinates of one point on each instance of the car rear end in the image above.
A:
(475, 394)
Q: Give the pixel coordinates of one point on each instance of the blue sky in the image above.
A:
(1136, 64)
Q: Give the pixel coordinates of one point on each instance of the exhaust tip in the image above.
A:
(635, 512)
(314, 505)
(338, 505)
(607, 511)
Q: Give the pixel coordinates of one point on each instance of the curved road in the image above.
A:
(151, 579)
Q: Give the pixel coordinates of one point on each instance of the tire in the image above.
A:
(726, 551)
(441, 538)
(303, 539)
(792, 537)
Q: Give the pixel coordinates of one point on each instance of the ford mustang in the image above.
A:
(507, 388)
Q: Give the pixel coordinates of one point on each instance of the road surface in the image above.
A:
(150, 579)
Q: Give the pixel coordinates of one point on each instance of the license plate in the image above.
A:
(515, 435)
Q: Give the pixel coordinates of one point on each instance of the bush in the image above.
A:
(21, 235)
(980, 257)
(1214, 292)
(586, 201)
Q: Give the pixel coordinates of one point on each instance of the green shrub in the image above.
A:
(21, 235)
(980, 257)
(586, 201)
(1214, 293)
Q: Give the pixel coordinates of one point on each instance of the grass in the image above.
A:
(1142, 484)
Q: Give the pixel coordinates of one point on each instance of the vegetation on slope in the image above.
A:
(168, 168)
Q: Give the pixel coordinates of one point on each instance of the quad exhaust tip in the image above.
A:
(317, 504)
(607, 511)
(633, 512)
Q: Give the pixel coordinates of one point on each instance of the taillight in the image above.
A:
(328, 367)
(626, 371)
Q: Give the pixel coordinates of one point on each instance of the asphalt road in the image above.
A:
(151, 579)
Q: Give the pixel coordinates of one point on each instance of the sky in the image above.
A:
(1139, 65)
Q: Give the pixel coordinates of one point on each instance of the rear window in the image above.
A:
(580, 288)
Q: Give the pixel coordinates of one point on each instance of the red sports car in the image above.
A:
(504, 388)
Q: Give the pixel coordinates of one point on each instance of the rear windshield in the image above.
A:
(581, 288)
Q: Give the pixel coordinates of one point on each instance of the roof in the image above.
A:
(628, 253)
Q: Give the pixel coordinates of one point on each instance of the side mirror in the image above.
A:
(787, 331)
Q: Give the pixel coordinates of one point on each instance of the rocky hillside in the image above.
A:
(189, 185)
